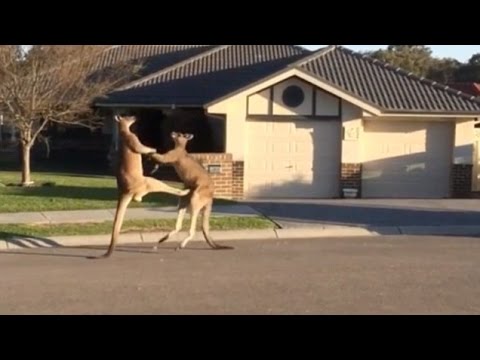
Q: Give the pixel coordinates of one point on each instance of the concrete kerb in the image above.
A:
(132, 238)
(266, 234)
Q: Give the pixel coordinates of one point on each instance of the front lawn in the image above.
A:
(71, 192)
(220, 223)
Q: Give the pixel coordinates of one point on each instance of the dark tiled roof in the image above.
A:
(210, 75)
(385, 86)
(213, 72)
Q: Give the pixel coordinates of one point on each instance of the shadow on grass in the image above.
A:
(88, 167)
(87, 193)
(107, 194)
(69, 192)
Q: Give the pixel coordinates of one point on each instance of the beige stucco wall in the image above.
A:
(327, 104)
(258, 104)
(476, 162)
(352, 133)
(236, 113)
(464, 142)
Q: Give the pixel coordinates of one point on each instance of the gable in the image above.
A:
(293, 97)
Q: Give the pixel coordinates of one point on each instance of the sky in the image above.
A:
(459, 52)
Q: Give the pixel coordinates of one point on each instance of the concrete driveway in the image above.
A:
(370, 213)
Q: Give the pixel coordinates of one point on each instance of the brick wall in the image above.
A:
(461, 181)
(351, 177)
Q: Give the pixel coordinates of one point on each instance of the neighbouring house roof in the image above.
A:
(153, 57)
(468, 88)
(214, 72)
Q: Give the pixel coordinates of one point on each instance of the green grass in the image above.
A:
(220, 223)
(71, 192)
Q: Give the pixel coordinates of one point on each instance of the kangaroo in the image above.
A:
(131, 182)
(196, 178)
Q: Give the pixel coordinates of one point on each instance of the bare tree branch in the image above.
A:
(39, 130)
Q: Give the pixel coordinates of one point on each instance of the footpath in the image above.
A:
(16, 241)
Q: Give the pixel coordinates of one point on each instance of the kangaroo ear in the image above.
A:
(117, 118)
(174, 135)
(189, 137)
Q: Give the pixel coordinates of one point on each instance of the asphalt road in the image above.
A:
(378, 275)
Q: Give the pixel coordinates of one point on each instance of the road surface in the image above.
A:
(378, 275)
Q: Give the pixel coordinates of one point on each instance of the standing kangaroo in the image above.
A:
(195, 178)
(130, 180)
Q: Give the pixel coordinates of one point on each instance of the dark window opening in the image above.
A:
(293, 96)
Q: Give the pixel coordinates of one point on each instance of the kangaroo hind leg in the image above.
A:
(182, 209)
(206, 229)
(122, 205)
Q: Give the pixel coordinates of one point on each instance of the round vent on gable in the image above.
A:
(293, 96)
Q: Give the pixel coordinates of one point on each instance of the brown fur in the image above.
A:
(195, 178)
(132, 184)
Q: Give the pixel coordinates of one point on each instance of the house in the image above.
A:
(471, 88)
(284, 122)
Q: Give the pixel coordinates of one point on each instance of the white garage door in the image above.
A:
(292, 159)
(407, 159)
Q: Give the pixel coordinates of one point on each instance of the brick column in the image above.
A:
(221, 169)
(351, 177)
(461, 181)
(238, 175)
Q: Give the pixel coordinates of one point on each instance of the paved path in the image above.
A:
(84, 216)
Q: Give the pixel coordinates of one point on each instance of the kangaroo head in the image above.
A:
(180, 139)
(124, 122)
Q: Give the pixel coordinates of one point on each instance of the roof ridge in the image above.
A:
(172, 67)
(409, 74)
(314, 55)
(302, 48)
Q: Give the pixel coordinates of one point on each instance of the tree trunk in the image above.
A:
(26, 180)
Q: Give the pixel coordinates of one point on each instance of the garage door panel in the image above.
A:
(429, 164)
(298, 159)
(282, 147)
(303, 148)
(418, 174)
(407, 159)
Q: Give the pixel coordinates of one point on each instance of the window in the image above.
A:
(293, 96)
